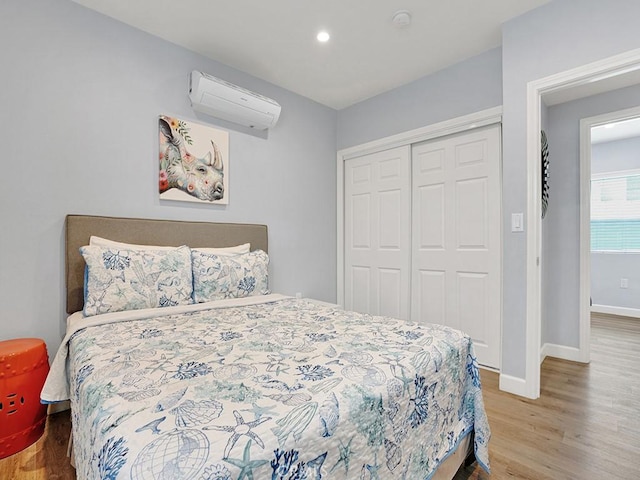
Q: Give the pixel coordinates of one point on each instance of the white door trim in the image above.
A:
(591, 72)
(459, 124)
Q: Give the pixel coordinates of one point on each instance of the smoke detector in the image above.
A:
(402, 18)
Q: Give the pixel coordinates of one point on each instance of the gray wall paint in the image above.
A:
(560, 35)
(464, 88)
(80, 94)
(608, 268)
(606, 271)
(621, 154)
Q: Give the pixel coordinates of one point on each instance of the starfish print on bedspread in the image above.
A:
(345, 456)
(246, 465)
(259, 411)
(238, 430)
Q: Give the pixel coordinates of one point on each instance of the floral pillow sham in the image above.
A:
(120, 279)
(216, 277)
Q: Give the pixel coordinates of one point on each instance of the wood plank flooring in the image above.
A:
(47, 458)
(585, 425)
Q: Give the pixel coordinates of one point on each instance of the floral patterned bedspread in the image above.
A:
(285, 389)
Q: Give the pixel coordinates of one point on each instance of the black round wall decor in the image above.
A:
(544, 162)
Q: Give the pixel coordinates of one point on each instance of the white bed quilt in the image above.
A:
(267, 387)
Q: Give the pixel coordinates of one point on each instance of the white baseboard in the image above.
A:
(622, 311)
(560, 351)
(515, 385)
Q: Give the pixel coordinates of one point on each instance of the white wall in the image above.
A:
(608, 268)
(79, 98)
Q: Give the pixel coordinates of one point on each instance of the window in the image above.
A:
(615, 212)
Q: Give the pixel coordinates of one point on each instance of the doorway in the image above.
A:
(610, 161)
(583, 78)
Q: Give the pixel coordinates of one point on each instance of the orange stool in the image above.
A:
(24, 366)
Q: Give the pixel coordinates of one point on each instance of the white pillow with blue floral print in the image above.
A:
(216, 277)
(120, 279)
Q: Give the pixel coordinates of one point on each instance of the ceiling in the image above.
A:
(366, 55)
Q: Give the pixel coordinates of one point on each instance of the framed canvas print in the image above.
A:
(194, 162)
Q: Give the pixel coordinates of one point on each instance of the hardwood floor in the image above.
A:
(585, 425)
(47, 458)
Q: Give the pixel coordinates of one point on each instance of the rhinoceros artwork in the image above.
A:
(193, 161)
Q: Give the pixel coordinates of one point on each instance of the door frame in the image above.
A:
(592, 72)
(482, 118)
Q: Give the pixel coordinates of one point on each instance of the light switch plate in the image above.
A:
(517, 222)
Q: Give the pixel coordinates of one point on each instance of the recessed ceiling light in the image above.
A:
(323, 36)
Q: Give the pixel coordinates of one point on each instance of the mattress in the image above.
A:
(266, 387)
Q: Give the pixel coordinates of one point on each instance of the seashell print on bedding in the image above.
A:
(329, 415)
(192, 414)
(273, 389)
(170, 400)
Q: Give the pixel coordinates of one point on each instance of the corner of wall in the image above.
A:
(516, 386)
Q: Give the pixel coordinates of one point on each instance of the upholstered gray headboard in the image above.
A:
(79, 229)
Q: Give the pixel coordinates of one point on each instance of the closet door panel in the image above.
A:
(390, 283)
(377, 239)
(422, 235)
(360, 285)
(472, 232)
(456, 236)
(390, 233)
(432, 294)
(430, 202)
(472, 296)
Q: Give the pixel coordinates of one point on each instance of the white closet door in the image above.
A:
(377, 233)
(456, 275)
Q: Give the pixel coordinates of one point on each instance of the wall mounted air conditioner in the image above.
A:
(227, 101)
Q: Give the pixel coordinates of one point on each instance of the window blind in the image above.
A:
(615, 212)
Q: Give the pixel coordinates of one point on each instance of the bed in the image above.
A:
(253, 385)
